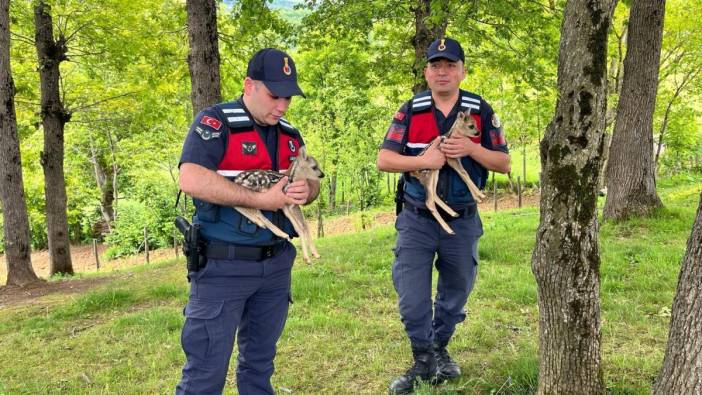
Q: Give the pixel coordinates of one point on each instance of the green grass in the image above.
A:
(343, 334)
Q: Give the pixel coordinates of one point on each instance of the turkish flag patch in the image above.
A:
(211, 122)
(396, 133)
(497, 137)
(399, 116)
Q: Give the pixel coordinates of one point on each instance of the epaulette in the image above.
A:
(287, 127)
(421, 101)
(235, 115)
(470, 101)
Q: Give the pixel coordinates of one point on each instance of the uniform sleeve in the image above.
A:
(395, 139)
(206, 140)
(493, 135)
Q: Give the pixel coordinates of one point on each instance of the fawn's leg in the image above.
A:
(300, 231)
(297, 213)
(474, 190)
(430, 188)
(257, 217)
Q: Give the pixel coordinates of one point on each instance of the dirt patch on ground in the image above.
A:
(83, 256)
(21, 296)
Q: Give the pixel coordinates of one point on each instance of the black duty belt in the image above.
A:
(246, 253)
(467, 211)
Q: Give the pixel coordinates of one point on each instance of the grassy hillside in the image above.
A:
(343, 334)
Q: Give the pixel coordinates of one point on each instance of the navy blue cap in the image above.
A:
(447, 48)
(276, 70)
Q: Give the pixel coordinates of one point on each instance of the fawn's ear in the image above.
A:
(461, 115)
(303, 152)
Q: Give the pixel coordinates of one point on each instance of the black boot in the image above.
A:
(446, 368)
(424, 368)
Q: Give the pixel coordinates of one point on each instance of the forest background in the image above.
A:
(127, 88)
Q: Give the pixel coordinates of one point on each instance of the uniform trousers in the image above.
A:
(246, 300)
(421, 245)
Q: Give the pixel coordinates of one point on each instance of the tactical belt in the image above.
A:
(467, 211)
(245, 253)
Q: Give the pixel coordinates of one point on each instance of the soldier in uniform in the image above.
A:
(243, 290)
(421, 243)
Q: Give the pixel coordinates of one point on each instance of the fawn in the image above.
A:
(463, 126)
(303, 167)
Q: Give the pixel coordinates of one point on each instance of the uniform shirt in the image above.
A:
(207, 139)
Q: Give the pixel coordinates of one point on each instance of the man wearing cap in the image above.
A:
(420, 239)
(243, 289)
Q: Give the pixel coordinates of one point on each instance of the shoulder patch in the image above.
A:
(206, 133)
(496, 121)
(214, 123)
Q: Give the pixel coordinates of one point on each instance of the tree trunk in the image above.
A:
(203, 54)
(16, 222)
(631, 182)
(426, 32)
(690, 75)
(566, 257)
(682, 366)
(332, 192)
(115, 172)
(54, 116)
(104, 183)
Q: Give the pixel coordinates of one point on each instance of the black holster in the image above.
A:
(193, 246)
(399, 195)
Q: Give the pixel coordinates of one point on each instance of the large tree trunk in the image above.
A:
(54, 116)
(631, 181)
(424, 33)
(566, 259)
(682, 366)
(16, 222)
(203, 55)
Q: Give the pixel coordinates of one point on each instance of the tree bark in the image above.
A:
(16, 221)
(54, 116)
(566, 257)
(203, 54)
(104, 183)
(426, 32)
(682, 366)
(631, 181)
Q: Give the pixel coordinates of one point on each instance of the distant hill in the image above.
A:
(285, 3)
(288, 4)
(285, 7)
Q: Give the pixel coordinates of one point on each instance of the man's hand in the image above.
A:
(299, 191)
(274, 198)
(433, 158)
(458, 147)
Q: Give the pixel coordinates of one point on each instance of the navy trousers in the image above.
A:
(419, 241)
(234, 298)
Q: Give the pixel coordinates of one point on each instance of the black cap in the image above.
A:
(445, 48)
(276, 70)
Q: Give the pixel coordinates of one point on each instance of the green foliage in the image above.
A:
(127, 236)
(127, 86)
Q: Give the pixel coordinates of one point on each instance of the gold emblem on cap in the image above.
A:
(442, 46)
(286, 67)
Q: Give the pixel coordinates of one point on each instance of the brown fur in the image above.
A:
(463, 126)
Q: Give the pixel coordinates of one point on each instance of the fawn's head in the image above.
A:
(305, 167)
(464, 125)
